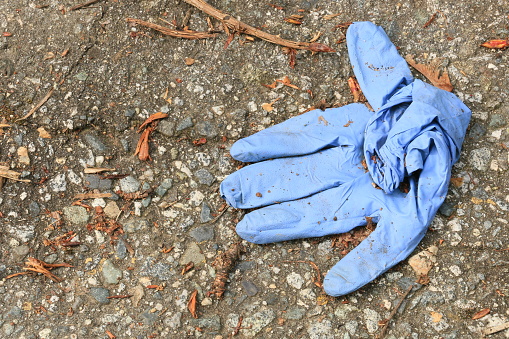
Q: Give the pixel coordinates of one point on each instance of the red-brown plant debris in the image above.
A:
(224, 263)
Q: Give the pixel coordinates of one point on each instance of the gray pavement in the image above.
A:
(109, 76)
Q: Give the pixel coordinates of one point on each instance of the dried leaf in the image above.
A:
(294, 19)
(142, 149)
(110, 335)
(497, 44)
(150, 119)
(49, 55)
(286, 81)
(432, 72)
(43, 133)
(355, 89)
(268, 106)
(481, 313)
(331, 16)
(200, 141)
(457, 181)
(423, 261)
(191, 304)
(189, 61)
(292, 55)
(322, 119)
(318, 47)
(276, 6)
(187, 268)
(272, 86)
(436, 317)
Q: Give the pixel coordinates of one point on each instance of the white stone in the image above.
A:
(295, 280)
(455, 270)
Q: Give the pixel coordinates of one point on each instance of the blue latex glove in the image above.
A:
(315, 184)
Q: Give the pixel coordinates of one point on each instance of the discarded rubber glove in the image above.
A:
(315, 184)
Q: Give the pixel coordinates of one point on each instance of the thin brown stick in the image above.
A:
(187, 34)
(36, 107)
(240, 27)
(388, 320)
(88, 3)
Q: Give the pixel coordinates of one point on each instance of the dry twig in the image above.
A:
(385, 322)
(185, 34)
(88, 3)
(230, 23)
(36, 107)
(38, 266)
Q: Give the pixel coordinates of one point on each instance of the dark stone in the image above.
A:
(100, 294)
(205, 214)
(203, 233)
(249, 287)
(207, 129)
(204, 177)
(184, 124)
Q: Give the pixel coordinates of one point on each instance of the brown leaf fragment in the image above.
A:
(200, 141)
(187, 268)
(229, 40)
(286, 81)
(496, 44)
(355, 89)
(294, 19)
(457, 182)
(191, 304)
(439, 78)
(331, 16)
(272, 85)
(152, 118)
(224, 263)
(110, 335)
(348, 123)
(481, 313)
(189, 61)
(268, 106)
(292, 55)
(343, 25)
(276, 6)
(142, 148)
(43, 133)
(322, 119)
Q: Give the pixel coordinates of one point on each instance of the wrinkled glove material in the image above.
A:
(309, 181)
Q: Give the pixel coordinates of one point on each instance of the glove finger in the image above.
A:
(379, 68)
(392, 241)
(287, 179)
(305, 134)
(333, 211)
